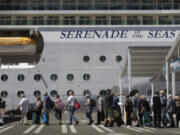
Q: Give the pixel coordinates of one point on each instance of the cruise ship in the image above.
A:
(80, 45)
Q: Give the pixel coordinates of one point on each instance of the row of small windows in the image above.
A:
(89, 4)
(89, 20)
(53, 93)
(102, 58)
(38, 77)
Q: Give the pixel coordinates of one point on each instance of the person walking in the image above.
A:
(163, 98)
(177, 110)
(89, 109)
(71, 101)
(100, 109)
(170, 110)
(135, 109)
(129, 110)
(24, 107)
(47, 105)
(38, 110)
(157, 110)
(59, 108)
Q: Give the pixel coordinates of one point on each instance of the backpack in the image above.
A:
(77, 105)
(60, 104)
(49, 103)
(93, 103)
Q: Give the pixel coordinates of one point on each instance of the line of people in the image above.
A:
(136, 108)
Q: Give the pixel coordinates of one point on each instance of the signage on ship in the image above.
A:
(111, 35)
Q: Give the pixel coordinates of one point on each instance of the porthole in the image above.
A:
(54, 77)
(37, 77)
(86, 92)
(102, 58)
(102, 92)
(118, 58)
(37, 93)
(70, 77)
(86, 58)
(4, 94)
(69, 91)
(86, 77)
(19, 93)
(20, 77)
(4, 77)
(53, 93)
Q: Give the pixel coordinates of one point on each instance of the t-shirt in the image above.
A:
(108, 101)
(24, 105)
(47, 100)
(100, 103)
(71, 100)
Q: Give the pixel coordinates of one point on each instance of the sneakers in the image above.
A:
(77, 122)
(128, 126)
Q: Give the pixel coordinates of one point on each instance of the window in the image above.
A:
(54, 77)
(53, 20)
(20, 77)
(70, 77)
(69, 20)
(116, 20)
(37, 93)
(118, 58)
(86, 92)
(165, 20)
(69, 91)
(133, 20)
(20, 20)
(148, 20)
(101, 20)
(4, 77)
(19, 93)
(102, 92)
(86, 58)
(102, 58)
(53, 93)
(176, 19)
(86, 77)
(37, 77)
(38, 20)
(84, 20)
(4, 94)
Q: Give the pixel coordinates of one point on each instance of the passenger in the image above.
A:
(89, 109)
(135, 108)
(71, 101)
(38, 111)
(145, 110)
(177, 110)
(117, 110)
(163, 108)
(100, 109)
(46, 107)
(108, 104)
(157, 110)
(24, 107)
(129, 110)
(170, 110)
(59, 108)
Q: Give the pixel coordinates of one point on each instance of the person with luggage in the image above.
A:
(59, 108)
(24, 107)
(157, 110)
(71, 102)
(170, 110)
(89, 109)
(177, 109)
(47, 106)
(129, 110)
(117, 111)
(38, 111)
(100, 109)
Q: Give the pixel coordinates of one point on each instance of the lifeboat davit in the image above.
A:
(17, 46)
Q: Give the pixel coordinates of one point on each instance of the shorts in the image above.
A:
(108, 112)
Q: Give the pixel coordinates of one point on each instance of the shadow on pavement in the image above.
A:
(8, 119)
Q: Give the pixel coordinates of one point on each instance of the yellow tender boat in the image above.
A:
(17, 46)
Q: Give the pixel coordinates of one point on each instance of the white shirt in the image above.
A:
(24, 105)
(71, 100)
